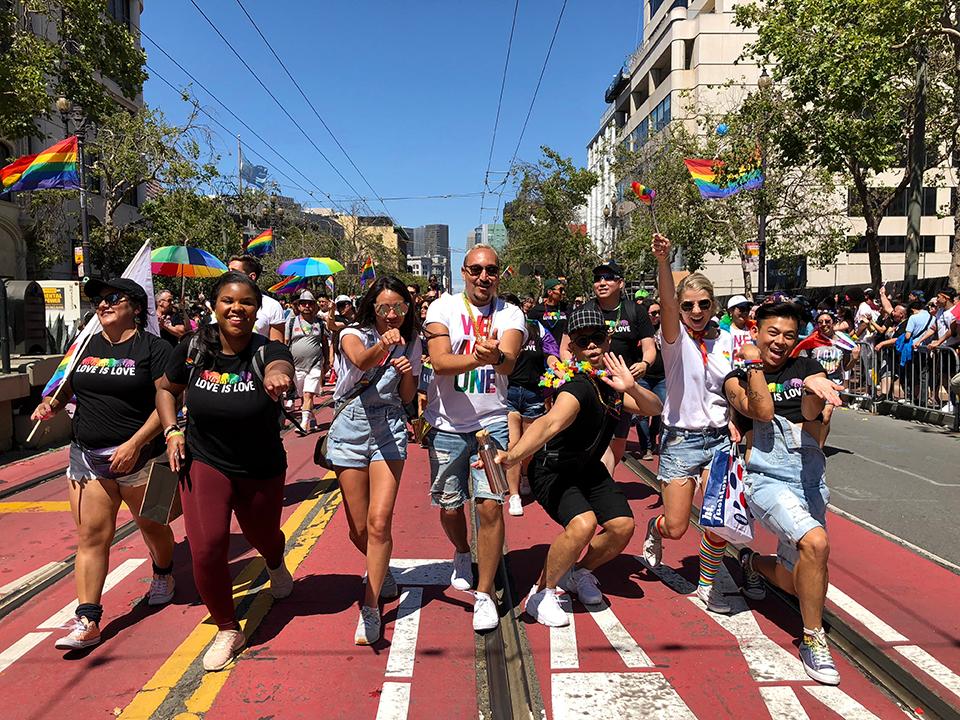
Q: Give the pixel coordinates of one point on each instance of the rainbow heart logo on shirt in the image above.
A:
(107, 362)
(216, 378)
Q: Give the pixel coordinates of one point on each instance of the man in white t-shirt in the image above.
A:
(474, 339)
(867, 312)
(944, 360)
(270, 319)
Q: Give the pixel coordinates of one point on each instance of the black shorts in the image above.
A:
(568, 489)
(623, 425)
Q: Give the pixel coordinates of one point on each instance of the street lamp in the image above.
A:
(67, 112)
(764, 83)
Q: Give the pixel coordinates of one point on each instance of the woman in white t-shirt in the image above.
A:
(367, 442)
(697, 357)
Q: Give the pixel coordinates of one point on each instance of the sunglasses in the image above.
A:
(477, 270)
(605, 277)
(744, 308)
(688, 305)
(654, 312)
(114, 298)
(597, 337)
(399, 308)
(560, 290)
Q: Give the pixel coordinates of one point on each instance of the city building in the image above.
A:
(690, 57)
(493, 234)
(364, 230)
(429, 252)
(14, 223)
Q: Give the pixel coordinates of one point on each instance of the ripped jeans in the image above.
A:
(453, 481)
(785, 485)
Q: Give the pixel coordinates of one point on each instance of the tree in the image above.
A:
(67, 47)
(852, 90)
(542, 221)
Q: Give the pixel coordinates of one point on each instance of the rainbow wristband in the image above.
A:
(175, 433)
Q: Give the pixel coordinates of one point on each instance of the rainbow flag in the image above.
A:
(508, 272)
(262, 244)
(643, 193)
(291, 284)
(704, 174)
(55, 167)
(367, 273)
(328, 283)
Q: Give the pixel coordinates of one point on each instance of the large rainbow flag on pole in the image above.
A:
(704, 173)
(262, 244)
(55, 167)
(367, 273)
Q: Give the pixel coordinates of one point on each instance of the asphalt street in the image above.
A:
(903, 477)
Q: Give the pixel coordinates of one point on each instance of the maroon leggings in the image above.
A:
(208, 496)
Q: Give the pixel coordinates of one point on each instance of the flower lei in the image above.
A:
(564, 371)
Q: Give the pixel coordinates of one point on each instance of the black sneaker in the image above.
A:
(753, 586)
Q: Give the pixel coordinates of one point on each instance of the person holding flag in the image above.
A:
(115, 436)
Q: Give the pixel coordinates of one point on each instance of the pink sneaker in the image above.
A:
(84, 633)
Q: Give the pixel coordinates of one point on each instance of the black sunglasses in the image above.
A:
(743, 307)
(688, 305)
(477, 270)
(605, 277)
(597, 337)
(114, 298)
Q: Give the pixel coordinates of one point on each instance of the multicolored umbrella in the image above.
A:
(183, 262)
(310, 267)
(289, 285)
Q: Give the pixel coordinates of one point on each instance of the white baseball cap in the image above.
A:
(307, 296)
(343, 298)
(736, 300)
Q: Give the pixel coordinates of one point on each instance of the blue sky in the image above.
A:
(409, 89)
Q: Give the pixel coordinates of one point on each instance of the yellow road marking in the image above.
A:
(35, 507)
(155, 691)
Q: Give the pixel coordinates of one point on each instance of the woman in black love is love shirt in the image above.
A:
(115, 435)
(232, 457)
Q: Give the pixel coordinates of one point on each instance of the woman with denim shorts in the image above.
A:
(367, 442)
(696, 359)
(780, 401)
(525, 396)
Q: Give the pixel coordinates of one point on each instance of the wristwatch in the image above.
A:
(500, 359)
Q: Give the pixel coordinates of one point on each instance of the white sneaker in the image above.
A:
(652, 544)
(368, 626)
(713, 599)
(485, 616)
(582, 583)
(84, 633)
(161, 590)
(948, 408)
(462, 577)
(515, 505)
(225, 646)
(544, 607)
(281, 582)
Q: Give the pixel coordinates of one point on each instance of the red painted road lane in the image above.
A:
(51, 683)
(902, 589)
(304, 657)
(23, 471)
(699, 658)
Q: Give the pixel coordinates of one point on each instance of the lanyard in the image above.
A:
(697, 337)
(475, 321)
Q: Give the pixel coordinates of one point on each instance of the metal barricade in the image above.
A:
(861, 380)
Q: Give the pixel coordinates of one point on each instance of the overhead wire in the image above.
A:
(533, 100)
(311, 105)
(278, 103)
(496, 122)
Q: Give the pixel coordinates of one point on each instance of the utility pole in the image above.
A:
(918, 149)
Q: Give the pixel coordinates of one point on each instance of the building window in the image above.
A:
(654, 6)
(120, 11)
(892, 244)
(897, 206)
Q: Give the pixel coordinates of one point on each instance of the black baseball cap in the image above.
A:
(94, 288)
(585, 316)
(610, 266)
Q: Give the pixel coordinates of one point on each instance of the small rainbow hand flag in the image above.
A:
(704, 173)
(328, 284)
(262, 244)
(508, 272)
(643, 193)
(367, 273)
(55, 167)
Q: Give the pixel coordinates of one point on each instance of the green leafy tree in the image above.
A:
(849, 72)
(64, 47)
(542, 222)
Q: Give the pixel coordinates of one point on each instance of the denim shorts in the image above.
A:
(785, 485)
(687, 453)
(361, 435)
(453, 481)
(526, 402)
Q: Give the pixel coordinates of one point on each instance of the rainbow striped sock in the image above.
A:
(711, 556)
(659, 524)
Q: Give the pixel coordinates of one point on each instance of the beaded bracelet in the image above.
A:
(175, 433)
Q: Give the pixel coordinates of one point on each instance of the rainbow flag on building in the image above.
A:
(367, 273)
(704, 173)
(55, 167)
(262, 244)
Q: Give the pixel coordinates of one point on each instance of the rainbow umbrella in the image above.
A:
(310, 267)
(288, 285)
(183, 262)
